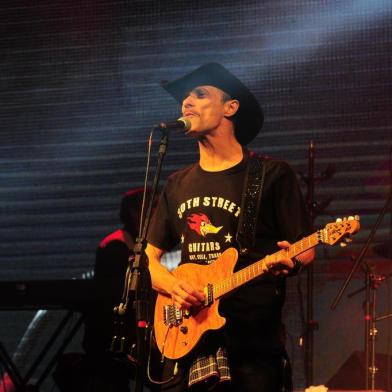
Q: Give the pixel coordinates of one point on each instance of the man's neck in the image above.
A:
(219, 154)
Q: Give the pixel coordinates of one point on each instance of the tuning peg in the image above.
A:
(348, 240)
(338, 220)
(343, 244)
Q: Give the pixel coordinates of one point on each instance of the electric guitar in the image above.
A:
(178, 331)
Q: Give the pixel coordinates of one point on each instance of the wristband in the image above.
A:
(297, 268)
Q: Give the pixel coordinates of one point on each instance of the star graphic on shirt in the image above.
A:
(228, 237)
(182, 238)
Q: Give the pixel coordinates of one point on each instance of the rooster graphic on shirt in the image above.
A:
(201, 224)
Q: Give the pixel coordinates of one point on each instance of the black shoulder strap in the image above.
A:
(250, 203)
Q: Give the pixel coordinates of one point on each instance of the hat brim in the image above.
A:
(249, 117)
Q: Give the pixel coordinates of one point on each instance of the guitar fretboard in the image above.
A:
(258, 268)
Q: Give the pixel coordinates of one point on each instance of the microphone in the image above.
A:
(182, 123)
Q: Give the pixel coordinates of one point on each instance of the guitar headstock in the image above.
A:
(342, 228)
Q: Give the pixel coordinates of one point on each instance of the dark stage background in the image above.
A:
(80, 91)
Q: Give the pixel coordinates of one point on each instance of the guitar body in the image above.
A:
(177, 341)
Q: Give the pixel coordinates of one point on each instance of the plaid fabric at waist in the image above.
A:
(212, 368)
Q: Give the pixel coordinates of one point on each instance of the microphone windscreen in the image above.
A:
(187, 123)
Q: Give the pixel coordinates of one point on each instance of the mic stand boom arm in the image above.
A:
(362, 253)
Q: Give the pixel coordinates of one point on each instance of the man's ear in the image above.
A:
(231, 107)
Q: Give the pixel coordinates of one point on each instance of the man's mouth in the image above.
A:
(189, 114)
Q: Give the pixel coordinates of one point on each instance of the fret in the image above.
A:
(258, 268)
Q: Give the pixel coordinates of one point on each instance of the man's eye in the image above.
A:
(196, 93)
(200, 94)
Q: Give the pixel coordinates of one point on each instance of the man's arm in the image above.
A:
(183, 294)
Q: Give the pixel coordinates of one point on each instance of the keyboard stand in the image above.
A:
(22, 383)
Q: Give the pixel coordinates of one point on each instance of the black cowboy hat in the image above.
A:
(249, 118)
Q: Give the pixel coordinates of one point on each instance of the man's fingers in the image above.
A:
(279, 265)
(188, 297)
(283, 244)
(184, 295)
(182, 299)
(191, 291)
(279, 272)
(287, 262)
(181, 302)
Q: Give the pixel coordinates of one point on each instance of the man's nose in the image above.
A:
(187, 102)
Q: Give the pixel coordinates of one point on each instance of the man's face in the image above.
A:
(205, 107)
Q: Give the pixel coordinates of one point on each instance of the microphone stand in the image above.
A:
(314, 209)
(138, 279)
(311, 324)
(370, 307)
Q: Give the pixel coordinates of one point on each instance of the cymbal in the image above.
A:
(383, 249)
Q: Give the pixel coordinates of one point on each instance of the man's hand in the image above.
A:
(185, 296)
(280, 265)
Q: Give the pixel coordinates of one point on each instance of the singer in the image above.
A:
(203, 209)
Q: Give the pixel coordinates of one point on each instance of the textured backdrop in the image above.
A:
(80, 91)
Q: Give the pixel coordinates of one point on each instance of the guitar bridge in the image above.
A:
(172, 316)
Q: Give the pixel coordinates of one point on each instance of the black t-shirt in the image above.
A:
(199, 211)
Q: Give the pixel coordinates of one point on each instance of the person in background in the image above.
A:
(100, 369)
(111, 263)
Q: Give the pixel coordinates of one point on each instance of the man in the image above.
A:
(200, 209)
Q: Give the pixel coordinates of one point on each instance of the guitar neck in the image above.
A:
(258, 268)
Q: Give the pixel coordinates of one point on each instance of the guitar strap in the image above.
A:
(250, 203)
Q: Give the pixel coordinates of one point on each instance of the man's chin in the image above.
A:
(196, 133)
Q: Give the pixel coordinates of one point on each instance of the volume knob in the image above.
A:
(184, 330)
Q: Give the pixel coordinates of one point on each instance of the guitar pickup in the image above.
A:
(209, 294)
